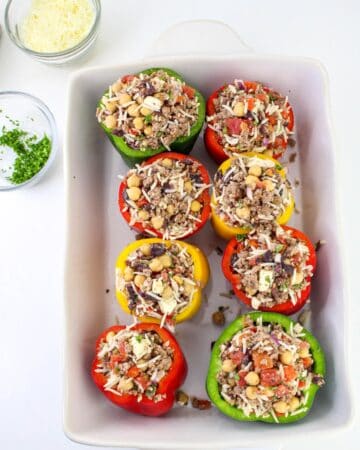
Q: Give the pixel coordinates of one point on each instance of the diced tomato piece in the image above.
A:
(252, 262)
(237, 357)
(127, 78)
(233, 125)
(262, 361)
(133, 372)
(289, 373)
(142, 202)
(114, 359)
(122, 351)
(189, 91)
(242, 374)
(250, 103)
(250, 85)
(281, 391)
(270, 377)
(180, 99)
(280, 142)
(253, 243)
(301, 384)
(272, 120)
(143, 381)
(307, 362)
(261, 97)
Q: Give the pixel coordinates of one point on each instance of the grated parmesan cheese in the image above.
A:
(56, 25)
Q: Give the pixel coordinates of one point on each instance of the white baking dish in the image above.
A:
(96, 233)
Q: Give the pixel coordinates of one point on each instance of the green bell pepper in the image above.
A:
(215, 366)
(183, 144)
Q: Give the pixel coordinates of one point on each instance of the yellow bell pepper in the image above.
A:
(226, 231)
(201, 276)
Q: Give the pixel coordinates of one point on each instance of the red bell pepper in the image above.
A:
(167, 386)
(212, 139)
(204, 197)
(287, 307)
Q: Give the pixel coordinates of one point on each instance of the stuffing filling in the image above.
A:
(273, 268)
(267, 371)
(149, 111)
(134, 362)
(251, 193)
(251, 117)
(158, 280)
(166, 196)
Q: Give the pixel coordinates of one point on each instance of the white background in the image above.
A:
(32, 220)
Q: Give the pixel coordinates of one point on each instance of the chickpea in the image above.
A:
(268, 392)
(145, 111)
(170, 209)
(251, 392)
(111, 106)
(143, 214)
(167, 162)
(269, 172)
(243, 213)
(228, 365)
(167, 292)
(124, 98)
(134, 193)
(146, 249)
(268, 185)
(304, 353)
(138, 123)
(161, 96)
(125, 384)
(188, 186)
(116, 87)
(251, 291)
(133, 181)
(239, 109)
(294, 404)
(286, 357)
(251, 180)
(133, 110)
(128, 273)
(148, 131)
(298, 278)
(178, 280)
(252, 378)
(139, 280)
(280, 407)
(156, 265)
(255, 170)
(166, 260)
(139, 100)
(157, 222)
(110, 122)
(188, 288)
(195, 206)
(109, 336)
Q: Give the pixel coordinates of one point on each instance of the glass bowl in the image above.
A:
(28, 113)
(15, 13)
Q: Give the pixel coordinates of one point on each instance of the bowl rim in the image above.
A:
(49, 55)
(54, 138)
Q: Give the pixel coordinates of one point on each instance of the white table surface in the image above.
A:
(32, 221)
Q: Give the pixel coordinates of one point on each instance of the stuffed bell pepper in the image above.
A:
(151, 112)
(244, 116)
(265, 367)
(250, 191)
(139, 368)
(167, 196)
(272, 271)
(161, 281)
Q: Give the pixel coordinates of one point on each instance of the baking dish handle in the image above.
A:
(196, 37)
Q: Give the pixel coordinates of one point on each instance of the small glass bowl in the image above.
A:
(32, 115)
(15, 13)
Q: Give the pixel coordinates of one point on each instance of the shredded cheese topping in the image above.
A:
(56, 25)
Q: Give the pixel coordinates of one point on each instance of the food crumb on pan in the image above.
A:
(182, 398)
(219, 251)
(291, 142)
(201, 404)
(319, 244)
(228, 294)
(292, 157)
